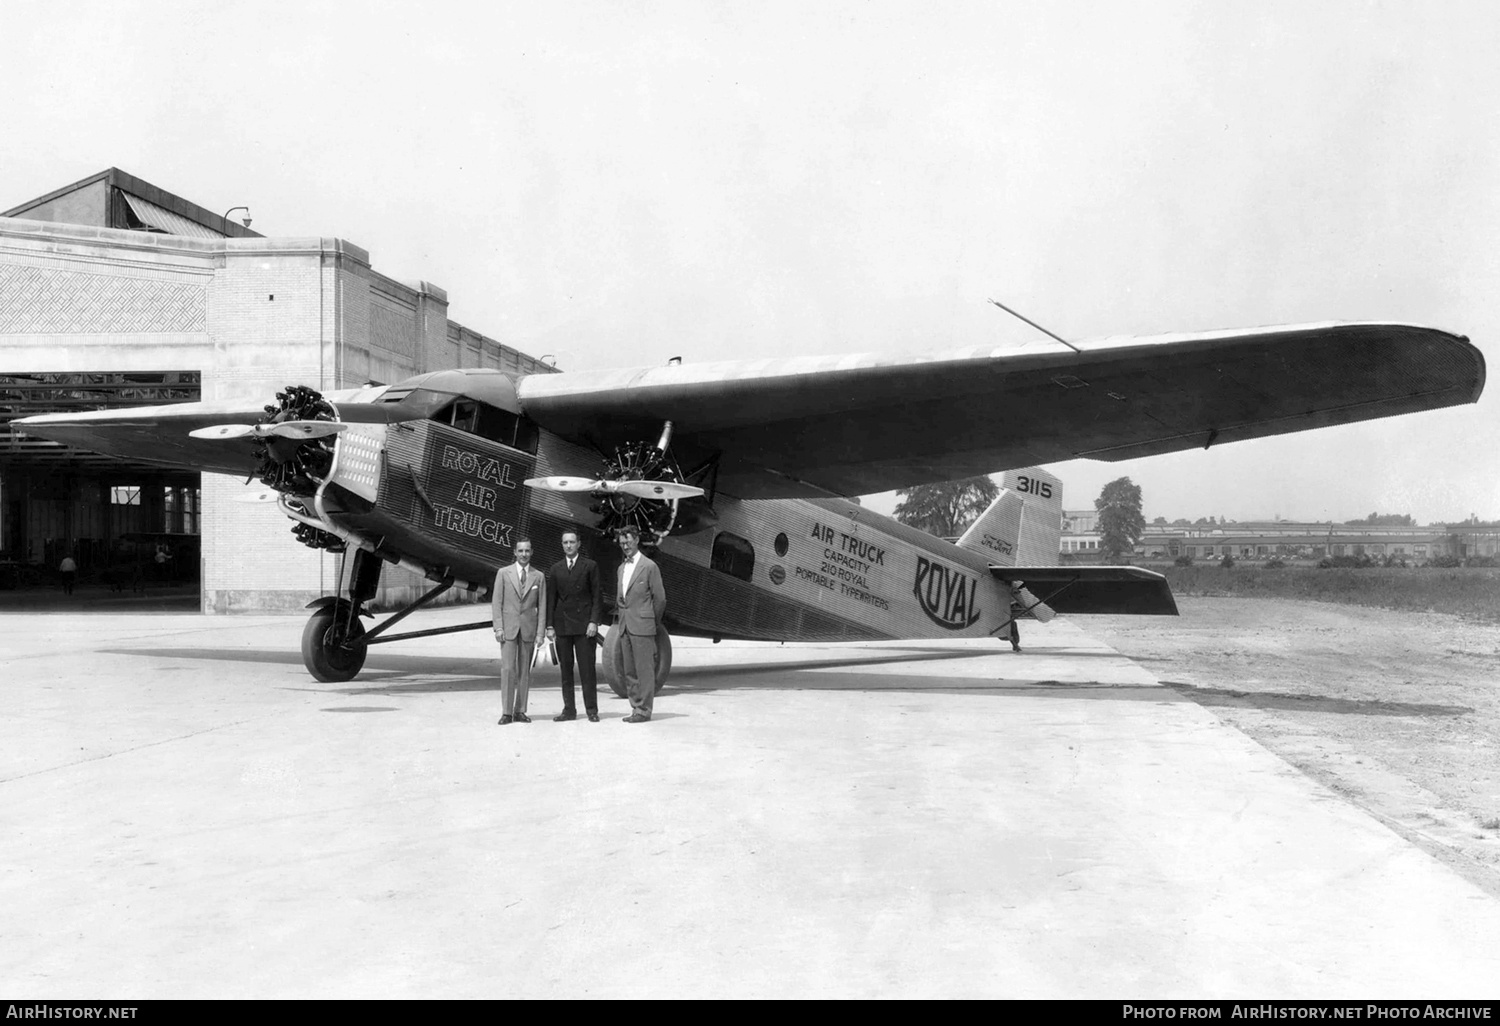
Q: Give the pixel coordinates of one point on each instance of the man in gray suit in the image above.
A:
(518, 602)
(640, 601)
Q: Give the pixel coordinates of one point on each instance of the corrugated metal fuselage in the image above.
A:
(773, 569)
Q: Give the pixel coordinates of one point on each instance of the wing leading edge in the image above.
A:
(163, 434)
(157, 434)
(860, 424)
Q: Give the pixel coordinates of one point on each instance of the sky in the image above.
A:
(615, 184)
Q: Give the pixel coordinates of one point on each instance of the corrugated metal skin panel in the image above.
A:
(863, 424)
(172, 224)
(841, 577)
(474, 500)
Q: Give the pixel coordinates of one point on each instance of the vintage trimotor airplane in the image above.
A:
(737, 473)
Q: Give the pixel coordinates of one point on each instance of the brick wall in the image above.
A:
(253, 315)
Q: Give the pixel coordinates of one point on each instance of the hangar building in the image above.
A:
(115, 293)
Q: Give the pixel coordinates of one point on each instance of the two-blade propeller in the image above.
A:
(665, 490)
(297, 429)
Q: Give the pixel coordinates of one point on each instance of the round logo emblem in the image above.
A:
(778, 575)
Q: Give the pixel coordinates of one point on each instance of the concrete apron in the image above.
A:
(187, 813)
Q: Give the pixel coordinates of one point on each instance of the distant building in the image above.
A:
(117, 293)
(1080, 539)
(1289, 540)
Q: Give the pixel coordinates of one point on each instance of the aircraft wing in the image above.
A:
(157, 434)
(1095, 589)
(811, 426)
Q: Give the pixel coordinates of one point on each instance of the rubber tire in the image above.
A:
(614, 661)
(326, 663)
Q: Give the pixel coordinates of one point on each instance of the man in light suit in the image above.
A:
(518, 601)
(640, 601)
(575, 608)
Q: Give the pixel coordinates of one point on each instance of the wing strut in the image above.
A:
(1064, 586)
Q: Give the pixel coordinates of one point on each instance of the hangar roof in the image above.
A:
(114, 199)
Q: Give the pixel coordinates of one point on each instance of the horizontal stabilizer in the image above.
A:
(1129, 590)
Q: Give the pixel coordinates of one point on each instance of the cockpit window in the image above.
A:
(424, 403)
(491, 422)
(528, 435)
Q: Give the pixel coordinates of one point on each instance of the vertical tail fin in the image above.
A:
(1023, 525)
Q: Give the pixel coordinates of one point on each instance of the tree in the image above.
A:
(1386, 520)
(947, 509)
(1159, 522)
(1121, 522)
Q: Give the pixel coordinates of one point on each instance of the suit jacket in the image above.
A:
(640, 607)
(575, 598)
(518, 609)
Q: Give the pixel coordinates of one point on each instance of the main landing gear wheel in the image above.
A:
(614, 660)
(332, 645)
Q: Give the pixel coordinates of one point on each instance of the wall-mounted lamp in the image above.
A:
(244, 220)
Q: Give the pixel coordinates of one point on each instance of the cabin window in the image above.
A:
(734, 556)
(782, 544)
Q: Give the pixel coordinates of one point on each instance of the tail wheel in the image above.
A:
(333, 648)
(614, 660)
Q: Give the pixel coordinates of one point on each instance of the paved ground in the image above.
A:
(186, 813)
(1396, 712)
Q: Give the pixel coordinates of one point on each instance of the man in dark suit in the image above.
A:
(518, 603)
(575, 608)
(640, 601)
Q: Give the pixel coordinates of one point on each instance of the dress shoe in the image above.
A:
(522, 718)
(593, 716)
(504, 720)
(564, 717)
(637, 718)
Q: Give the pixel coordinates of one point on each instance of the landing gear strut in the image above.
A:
(334, 641)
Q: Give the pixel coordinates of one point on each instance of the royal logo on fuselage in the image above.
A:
(949, 597)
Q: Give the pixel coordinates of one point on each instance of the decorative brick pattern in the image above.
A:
(40, 300)
(392, 327)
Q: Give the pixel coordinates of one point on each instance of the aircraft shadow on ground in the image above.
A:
(1286, 701)
(384, 672)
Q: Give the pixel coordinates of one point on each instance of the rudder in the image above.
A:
(1023, 526)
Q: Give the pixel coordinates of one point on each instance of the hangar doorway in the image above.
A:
(131, 529)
